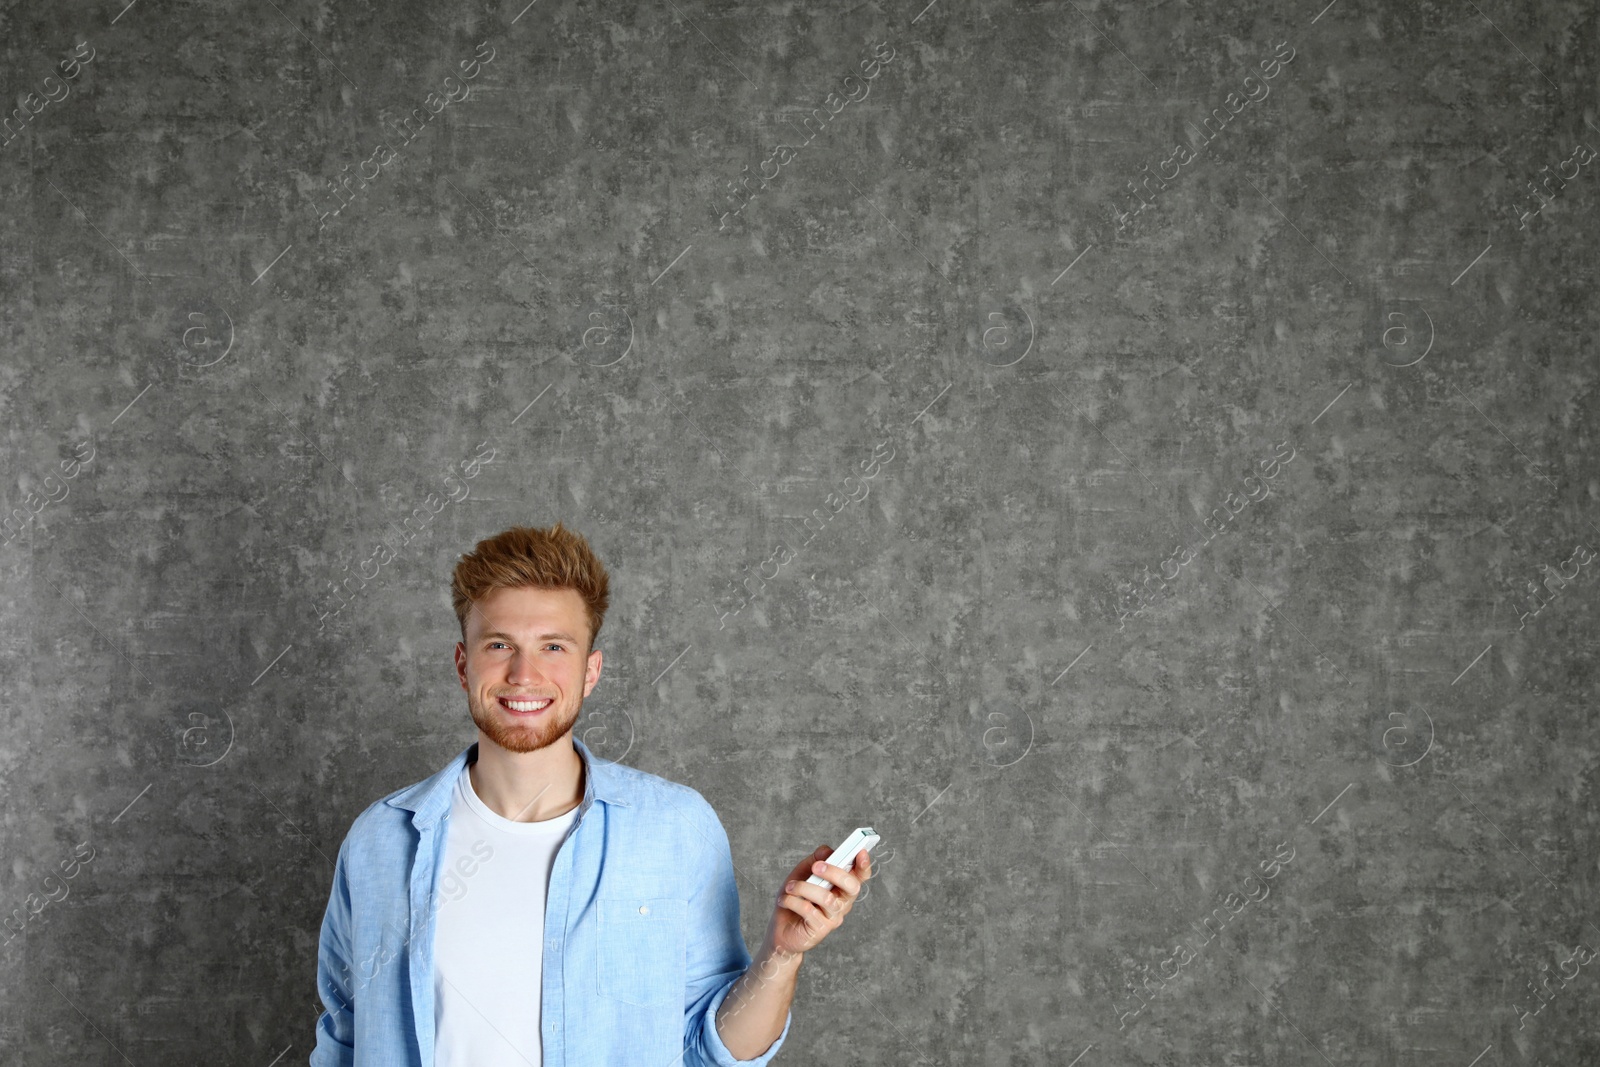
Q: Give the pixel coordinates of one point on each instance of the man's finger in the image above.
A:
(839, 877)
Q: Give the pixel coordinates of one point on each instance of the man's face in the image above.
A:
(527, 645)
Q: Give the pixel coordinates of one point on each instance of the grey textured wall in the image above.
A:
(1101, 555)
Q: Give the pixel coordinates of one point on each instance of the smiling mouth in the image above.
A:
(525, 707)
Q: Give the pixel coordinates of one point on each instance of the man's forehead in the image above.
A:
(542, 635)
(545, 615)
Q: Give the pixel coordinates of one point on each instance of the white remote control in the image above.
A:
(861, 839)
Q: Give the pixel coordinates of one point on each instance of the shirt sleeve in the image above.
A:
(335, 1045)
(717, 956)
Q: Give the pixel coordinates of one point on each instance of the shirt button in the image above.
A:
(552, 944)
(644, 909)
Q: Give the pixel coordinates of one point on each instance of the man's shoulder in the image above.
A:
(665, 817)
(382, 824)
(650, 791)
(381, 814)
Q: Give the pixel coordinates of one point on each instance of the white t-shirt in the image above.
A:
(488, 946)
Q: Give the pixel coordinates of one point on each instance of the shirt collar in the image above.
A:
(429, 799)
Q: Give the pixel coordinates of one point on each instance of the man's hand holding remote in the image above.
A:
(753, 1012)
(806, 912)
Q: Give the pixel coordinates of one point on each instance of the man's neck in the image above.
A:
(528, 786)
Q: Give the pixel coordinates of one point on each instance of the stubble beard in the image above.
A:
(513, 736)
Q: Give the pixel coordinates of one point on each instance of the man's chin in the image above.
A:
(521, 738)
(523, 742)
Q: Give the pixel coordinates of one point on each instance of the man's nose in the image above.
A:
(522, 669)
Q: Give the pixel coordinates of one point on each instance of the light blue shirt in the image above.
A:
(642, 938)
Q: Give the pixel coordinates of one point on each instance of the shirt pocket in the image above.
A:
(641, 956)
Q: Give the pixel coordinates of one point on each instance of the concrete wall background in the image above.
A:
(218, 397)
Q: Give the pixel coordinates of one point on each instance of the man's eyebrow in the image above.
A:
(501, 635)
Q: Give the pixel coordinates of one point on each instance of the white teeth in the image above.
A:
(525, 705)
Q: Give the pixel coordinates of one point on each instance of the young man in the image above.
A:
(531, 904)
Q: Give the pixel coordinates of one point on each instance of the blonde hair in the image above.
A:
(528, 556)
